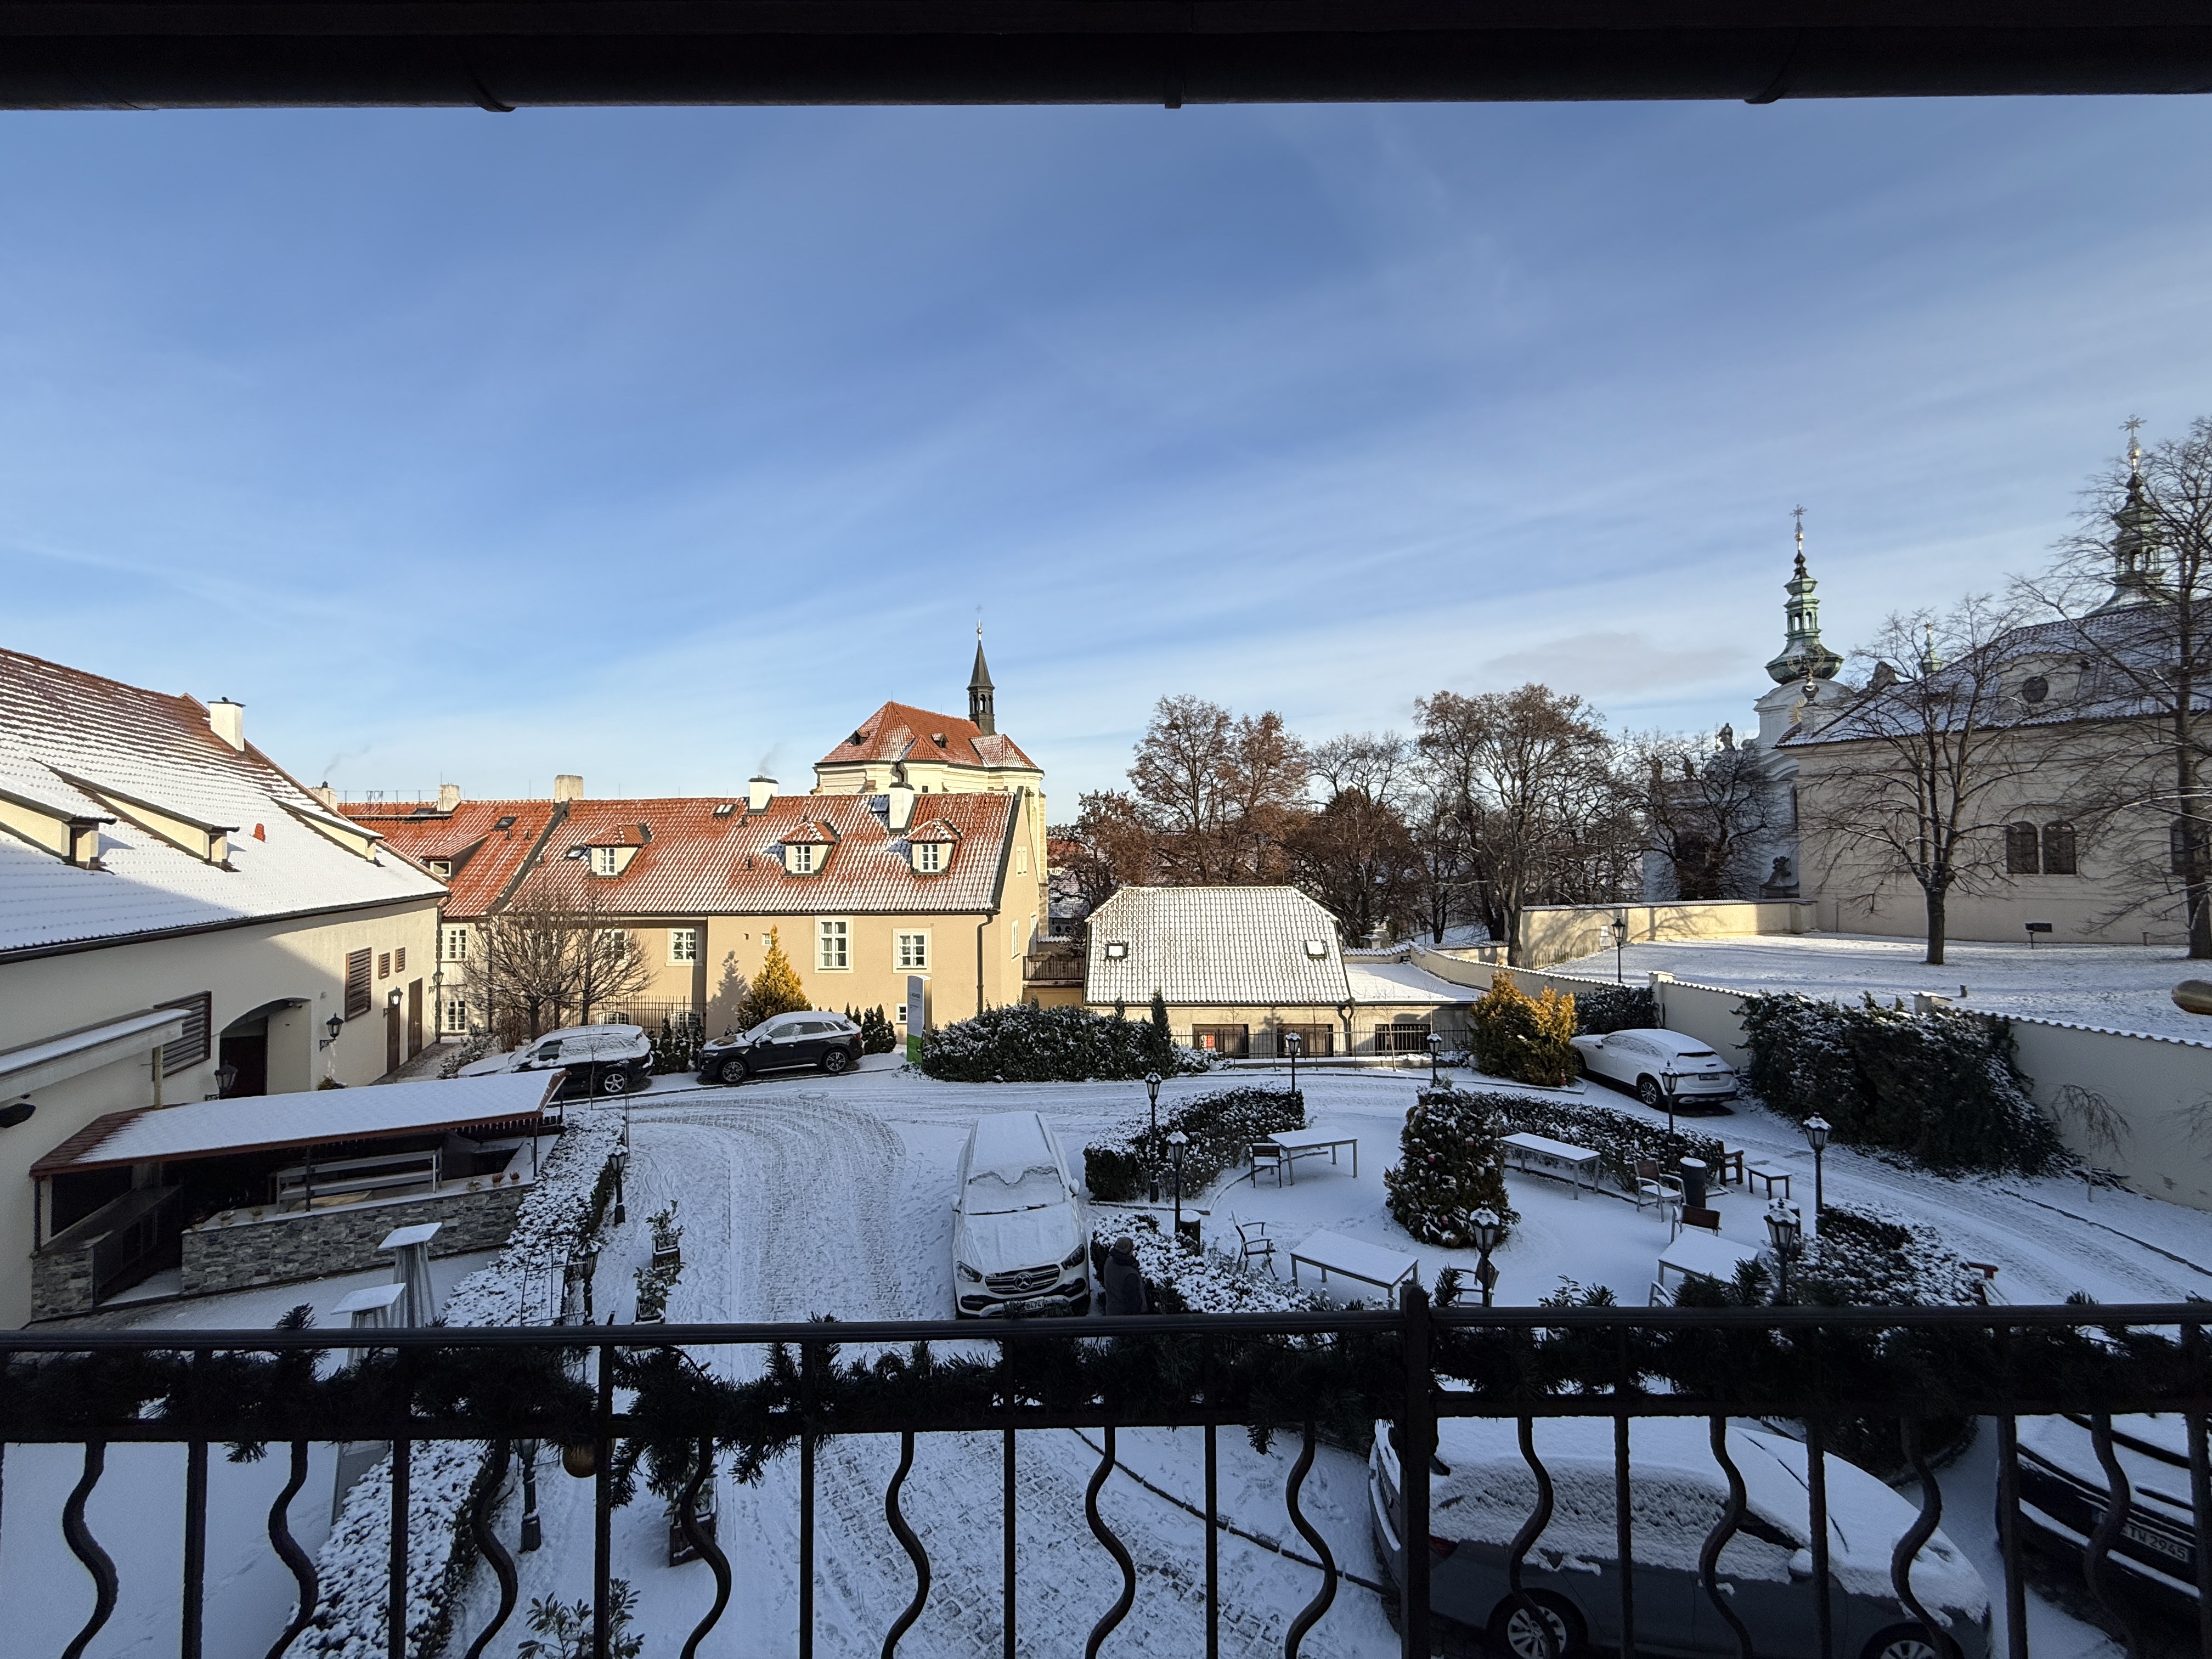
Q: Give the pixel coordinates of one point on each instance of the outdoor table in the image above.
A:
(1698, 1254)
(1525, 1146)
(1768, 1174)
(1307, 1143)
(1332, 1253)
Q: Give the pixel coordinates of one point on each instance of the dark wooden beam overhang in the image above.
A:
(499, 54)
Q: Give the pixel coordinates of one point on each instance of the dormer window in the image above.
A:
(441, 868)
(606, 861)
(1317, 949)
(929, 856)
(1117, 950)
(799, 857)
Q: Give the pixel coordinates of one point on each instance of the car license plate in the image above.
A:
(1031, 1304)
(2174, 1549)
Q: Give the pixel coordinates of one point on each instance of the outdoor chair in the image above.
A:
(1691, 1215)
(1265, 1155)
(1253, 1243)
(1730, 1167)
(1654, 1185)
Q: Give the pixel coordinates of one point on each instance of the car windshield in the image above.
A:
(768, 1028)
(1700, 1054)
(989, 1194)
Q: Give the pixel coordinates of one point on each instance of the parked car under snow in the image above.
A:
(1484, 1492)
(603, 1060)
(2064, 1494)
(1020, 1243)
(1640, 1060)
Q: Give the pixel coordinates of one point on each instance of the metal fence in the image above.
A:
(613, 1394)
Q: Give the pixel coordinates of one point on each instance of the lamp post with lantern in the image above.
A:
(1293, 1042)
(1620, 938)
(1817, 1131)
(1176, 1142)
(1436, 1053)
(1487, 1225)
(1152, 1162)
(1785, 1230)
(1669, 1080)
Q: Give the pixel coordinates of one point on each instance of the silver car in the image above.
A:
(1640, 1060)
(1480, 1491)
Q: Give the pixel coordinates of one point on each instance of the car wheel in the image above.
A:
(1648, 1091)
(729, 1071)
(1901, 1642)
(616, 1082)
(835, 1060)
(1514, 1630)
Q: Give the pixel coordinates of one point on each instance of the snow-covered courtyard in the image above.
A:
(2122, 987)
(822, 1196)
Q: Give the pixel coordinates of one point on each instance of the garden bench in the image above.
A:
(1370, 1264)
(1298, 1143)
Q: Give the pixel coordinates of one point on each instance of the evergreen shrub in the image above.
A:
(1221, 1127)
(1451, 1163)
(1619, 1138)
(1528, 1039)
(775, 989)
(878, 1034)
(1942, 1088)
(1603, 1009)
(1024, 1043)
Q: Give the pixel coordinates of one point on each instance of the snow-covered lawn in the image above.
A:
(2126, 987)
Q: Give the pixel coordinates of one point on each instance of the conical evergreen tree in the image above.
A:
(1450, 1163)
(777, 989)
(1159, 1040)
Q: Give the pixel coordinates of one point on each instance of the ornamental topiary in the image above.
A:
(1528, 1039)
(1450, 1163)
(777, 989)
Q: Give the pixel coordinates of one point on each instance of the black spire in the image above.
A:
(980, 689)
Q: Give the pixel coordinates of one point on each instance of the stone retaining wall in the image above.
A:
(277, 1249)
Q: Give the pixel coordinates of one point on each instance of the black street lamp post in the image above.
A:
(1817, 1131)
(1487, 1226)
(1620, 938)
(1786, 1231)
(1176, 1142)
(1670, 1081)
(620, 1159)
(1152, 1164)
(1293, 1042)
(1436, 1051)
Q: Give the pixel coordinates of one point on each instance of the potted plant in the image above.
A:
(653, 1285)
(667, 1238)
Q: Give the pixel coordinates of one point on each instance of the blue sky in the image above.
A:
(654, 444)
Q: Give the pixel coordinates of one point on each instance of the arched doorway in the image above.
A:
(243, 1048)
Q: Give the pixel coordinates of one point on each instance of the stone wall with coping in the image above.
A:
(277, 1249)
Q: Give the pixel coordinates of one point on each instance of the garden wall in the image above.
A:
(1560, 933)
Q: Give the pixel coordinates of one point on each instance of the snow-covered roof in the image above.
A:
(1399, 982)
(190, 832)
(210, 1128)
(898, 732)
(1215, 946)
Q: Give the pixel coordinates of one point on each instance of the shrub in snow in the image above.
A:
(1187, 1281)
(1221, 1127)
(1619, 1138)
(1024, 1043)
(676, 1046)
(473, 1049)
(877, 1034)
(1864, 1258)
(1529, 1039)
(565, 1631)
(1450, 1163)
(1940, 1087)
(1602, 1009)
(558, 1218)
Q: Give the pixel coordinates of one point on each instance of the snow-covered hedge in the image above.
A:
(1867, 1257)
(1024, 1043)
(352, 1567)
(1221, 1127)
(1601, 1010)
(1619, 1138)
(1184, 1281)
(1940, 1087)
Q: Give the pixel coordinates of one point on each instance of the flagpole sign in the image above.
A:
(917, 1016)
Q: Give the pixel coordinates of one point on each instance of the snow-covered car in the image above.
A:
(1641, 1059)
(1480, 1491)
(603, 1060)
(1020, 1241)
(2063, 1495)
(783, 1042)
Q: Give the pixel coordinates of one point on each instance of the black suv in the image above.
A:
(786, 1043)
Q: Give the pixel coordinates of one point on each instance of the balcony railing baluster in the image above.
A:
(1916, 1538)
(395, 1600)
(1709, 1558)
(1310, 1615)
(603, 1510)
(482, 1528)
(1104, 1535)
(1213, 1545)
(706, 1544)
(192, 1614)
(2095, 1562)
(87, 1549)
(1531, 1529)
(808, 1360)
(1624, 1531)
(1006, 1544)
(300, 1564)
(1816, 1493)
(905, 1535)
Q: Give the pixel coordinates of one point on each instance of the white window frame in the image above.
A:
(1021, 860)
(929, 856)
(833, 945)
(456, 1017)
(801, 858)
(606, 860)
(900, 941)
(453, 943)
(683, 946)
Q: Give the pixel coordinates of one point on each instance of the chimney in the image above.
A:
(758, 793)
(84, 841)
(323, 793)
(901, 799)
(568, 785)
(449, 797)
(227, 719)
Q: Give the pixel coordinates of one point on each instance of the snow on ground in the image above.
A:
(2126, 987)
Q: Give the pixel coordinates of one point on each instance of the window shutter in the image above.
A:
(356, 983)
(399, 960)
(193, 1046)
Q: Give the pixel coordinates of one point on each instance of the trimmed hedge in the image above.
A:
(1601, 1010)
(1619, 1138)
(1940, 1087)
(1221, 1127)
(1024, 1043)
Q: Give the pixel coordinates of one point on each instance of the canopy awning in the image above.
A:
(50, 1060)
(513, 1101)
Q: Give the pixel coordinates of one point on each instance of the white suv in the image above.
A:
(1020, 1241)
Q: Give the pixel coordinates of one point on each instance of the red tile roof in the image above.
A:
(487, 859)
(898, 732)
(936, 829)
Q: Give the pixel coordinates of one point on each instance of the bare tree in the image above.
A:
(1107, 847)
(1918, 773)
(2132, 594)
(1530, 775)
(1219, 792)
(1356, 855)
(1706, 807)
(611, 965)
(540, 957)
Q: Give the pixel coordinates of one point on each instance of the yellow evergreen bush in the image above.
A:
(776, 989)
(1525, 1038)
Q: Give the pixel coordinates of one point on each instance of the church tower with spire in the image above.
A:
(979, 690)
(2135, 567)
(1802, 655)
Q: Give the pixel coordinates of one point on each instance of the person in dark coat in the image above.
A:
(1124, 1279)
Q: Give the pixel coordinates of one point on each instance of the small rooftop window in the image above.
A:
(938, 737)
(2034, 689)
(506, 823)
(1317, 949)
(726, 809)
(1117, 950)
(856, 740)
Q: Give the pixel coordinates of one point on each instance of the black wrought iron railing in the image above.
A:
(633, 1402)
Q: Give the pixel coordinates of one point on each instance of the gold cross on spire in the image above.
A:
(2132, 425)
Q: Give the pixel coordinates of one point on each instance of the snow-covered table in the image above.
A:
(1695, 1252)
(1309, 1143)
(1332, 1253)
(1525, 1146)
